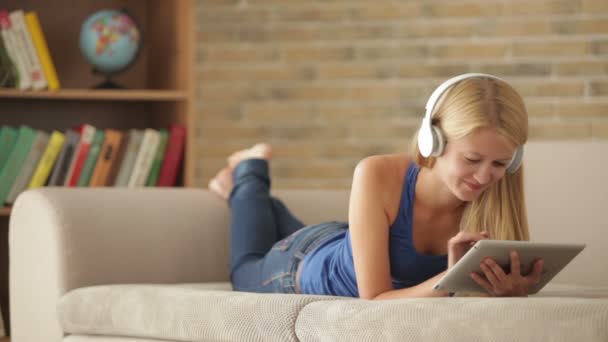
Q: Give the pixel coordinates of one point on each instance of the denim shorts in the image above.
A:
(280, 265)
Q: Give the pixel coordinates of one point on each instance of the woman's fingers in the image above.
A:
(489, 273)
(537, 270)
(468, 237)
(482, 282)
(515, 264)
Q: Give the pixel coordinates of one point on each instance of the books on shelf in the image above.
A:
(29, 166)
(109, 153)
(47, 160)
(173, 156)
(144, 158)
(87, 156)
(25, 59)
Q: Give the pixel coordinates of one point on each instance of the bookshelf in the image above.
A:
(102, 95)
(160, 84)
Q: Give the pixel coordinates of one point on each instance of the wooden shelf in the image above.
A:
(5, 211)
(97, 95)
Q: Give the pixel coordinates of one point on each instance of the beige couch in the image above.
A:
(118, 265)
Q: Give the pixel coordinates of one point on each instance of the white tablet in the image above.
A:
(555, 258)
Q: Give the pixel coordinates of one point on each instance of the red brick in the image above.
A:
(551, 48)
(317, 54)
(581, 68)
(235, 54)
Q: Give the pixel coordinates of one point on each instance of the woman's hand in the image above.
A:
(500, 284)
(460, 243)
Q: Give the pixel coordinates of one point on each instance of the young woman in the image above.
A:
(411, 217)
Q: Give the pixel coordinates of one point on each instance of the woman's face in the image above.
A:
(471, 164)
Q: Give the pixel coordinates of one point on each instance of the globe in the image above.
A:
(110, 41)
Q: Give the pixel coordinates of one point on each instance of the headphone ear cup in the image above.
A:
(516, 161)
(425, 140)
(438, 142)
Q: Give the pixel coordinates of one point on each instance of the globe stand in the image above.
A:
(108, 83)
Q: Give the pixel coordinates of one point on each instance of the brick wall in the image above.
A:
(329, 82)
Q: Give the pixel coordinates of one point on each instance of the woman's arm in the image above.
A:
(424, 289)
(369, 228)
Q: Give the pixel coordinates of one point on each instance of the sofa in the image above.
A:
(135, 265)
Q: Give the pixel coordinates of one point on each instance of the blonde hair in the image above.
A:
(477, 103)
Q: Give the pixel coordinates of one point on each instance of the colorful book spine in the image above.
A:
(91, 161)
(48, 67)
(116, 164)
(173, 157)
(32, 61)
(158, 159)
(64, 160)
(9, 77)
(15, 50)
(128, 161)
(145, 158)
(47, 161)
(87, 132)
(8, 136)
(25, 140)
(28, 168)
(107, 157)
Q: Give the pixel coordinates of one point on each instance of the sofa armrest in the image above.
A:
(61, 239)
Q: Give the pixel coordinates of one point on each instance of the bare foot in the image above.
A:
(221, 184)
(258, 151)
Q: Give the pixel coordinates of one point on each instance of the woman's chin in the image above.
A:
(467, 196)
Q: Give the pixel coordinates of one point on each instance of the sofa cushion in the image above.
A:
(456, 319)
(94, 338)
(181, 313)
(572, 290)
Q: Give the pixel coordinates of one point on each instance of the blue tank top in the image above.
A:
(329, 269)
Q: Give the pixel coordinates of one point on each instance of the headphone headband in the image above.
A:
(432, 101)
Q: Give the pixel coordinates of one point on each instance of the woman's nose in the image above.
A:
(483, 175)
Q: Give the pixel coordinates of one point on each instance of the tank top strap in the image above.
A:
(403, 221)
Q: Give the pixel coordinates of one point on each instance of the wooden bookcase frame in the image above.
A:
(160, 84)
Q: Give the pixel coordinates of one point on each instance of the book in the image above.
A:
(107, 157)
(128, 160)
(43, 170)
(30, 55)
(29, 166)
(14, 50)
(117, 162)
(64, 159)
(16, 159)
(158, 158)
(173, 156)
(48, 67)
(8, 136)
(8, 72)
(87, 132)
(91, 161)
(144, 158)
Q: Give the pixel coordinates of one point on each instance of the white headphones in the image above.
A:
(431, 142)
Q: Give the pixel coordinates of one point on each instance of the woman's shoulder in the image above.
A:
(384, 172)
(387, 165)
(383, 177)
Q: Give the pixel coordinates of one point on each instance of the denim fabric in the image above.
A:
(268, 242)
